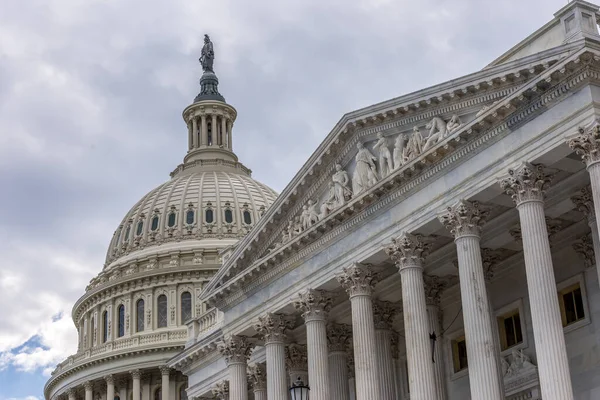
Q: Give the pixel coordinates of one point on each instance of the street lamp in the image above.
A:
(299, 391)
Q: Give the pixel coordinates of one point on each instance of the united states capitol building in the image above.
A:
(442, 245)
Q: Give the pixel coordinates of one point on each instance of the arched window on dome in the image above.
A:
(228, 216)
(140, 228)
(127, 231)
(247, 217)
(154, 223)
(104, 326)
(186, 307)
(171, 219)
(189, 217)
(121, 313)
(139, 311)
(161, 305)
(209, 216)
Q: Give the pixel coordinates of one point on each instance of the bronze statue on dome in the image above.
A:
(207, 56)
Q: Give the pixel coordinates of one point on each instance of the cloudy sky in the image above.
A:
(91, 94)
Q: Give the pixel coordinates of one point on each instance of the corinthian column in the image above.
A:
(526, 186)
(236, 350)
(358, 280)
(314, 306)
(257, 375)
(273, 327)
(408, 253)
(88, 386)
(464, 221)
(165, 380)
(136, 376)
(585, 203)
(339, 337)
(384, 313)
(434, 287)
(71, 394)
(110, 387)
(296, 361)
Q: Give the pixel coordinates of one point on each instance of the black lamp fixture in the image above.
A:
(299, 391)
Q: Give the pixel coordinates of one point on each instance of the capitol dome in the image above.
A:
(132, 318)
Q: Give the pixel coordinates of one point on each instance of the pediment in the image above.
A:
(341, 180)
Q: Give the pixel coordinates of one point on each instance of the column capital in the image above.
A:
(384, 313)
(586, 143)
(408, 250)
(526, 183)
(274, 326)
(136, 373)
(358, 280)
(257, 376)
(585, 247)
(221, 390)
(339, 337)
(109, 379)
(236, 349)
(584, 201)
(489, 259)
(88, 385)
(71, 392)
(435, 285)
(164, 370)
(314, 304)
(296, 357)
(465, 218)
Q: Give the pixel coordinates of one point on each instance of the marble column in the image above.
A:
(221, 391)
(236, 350)
(136, 389)
(223, 133)
(464, 221)
(314, 306)
(339, 337)
(110, 387)
(351, 374)
(165, 381)
(213, 142)
(296, 361)
(384, 313)
(258, 378)
(145, 381)
(203, 131)
(358, 280)
(526, 185)
(434, 287)
(121, 384)
(273, 327)
(195, 134)
(88, 386)
(585, 203)
(408, 252)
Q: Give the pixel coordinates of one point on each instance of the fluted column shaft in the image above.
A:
(237, 350)
(385, 363)
(223, 133)
(276, 375)
(71, 394)
(194, 134)
(214, 130)
(433, 314)
(165, 383)
(203, 131)
(88, 390)
(238, 381)
(110, 387)
(553, 364)
(338, 375)
(318, 362)
(136, 386)
(260, 394)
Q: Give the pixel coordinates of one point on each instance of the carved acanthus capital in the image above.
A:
(408, 250)
(489, 259)
(136, 374)
(296, 357)
(528, 182)
(221, 390)
(358, 280)
(314, 304)
(465, 218)
(584, 201)
(109, 379)
(435, 285)
(164, 370)
(384, 313)
(274, 326)
(339, 337)
(88, 385)
(587, 143)
(236, 349)
(257, 376)
(585, 248)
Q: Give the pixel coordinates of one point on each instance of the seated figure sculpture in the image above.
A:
(437, 131)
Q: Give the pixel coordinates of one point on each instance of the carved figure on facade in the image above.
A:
(414, 145)
(207, 56)
(437, 131)
(454, 124)
(520, 362)
(341, 185)
(365, 172)
(386, 165)
(399, 145)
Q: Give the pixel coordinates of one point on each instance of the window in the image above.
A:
(126, 237)
(121, 320)
(459, 354)
(139, 307)
(228, 216)
(247, 218)
(571, 304)
(140, 228)
(511, 333)
(189, 217)
(162, 311)
(186, 307)
(209, 216)
(104, 326)
(171, 220)
(154, 225)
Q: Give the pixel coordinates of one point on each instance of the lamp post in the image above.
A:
(299, 391)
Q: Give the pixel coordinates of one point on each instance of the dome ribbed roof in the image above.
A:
(198, 205)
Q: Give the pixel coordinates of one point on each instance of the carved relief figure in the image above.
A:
(305, 218)
(437, 131)
(365, 173)
(413, 147)
(341, 188)
(454, 124)
(385, 157)
(399, 151)
(520, 362)
(313, 215)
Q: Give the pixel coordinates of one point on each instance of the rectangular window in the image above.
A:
(511, 333)
(459, 354)
(571, 304)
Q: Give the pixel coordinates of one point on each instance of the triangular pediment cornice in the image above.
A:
(514, 83)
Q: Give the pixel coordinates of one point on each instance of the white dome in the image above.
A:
(192, 206)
